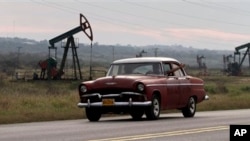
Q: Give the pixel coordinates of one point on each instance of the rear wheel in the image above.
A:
(93, 114)
(153, 112)
(190, 109)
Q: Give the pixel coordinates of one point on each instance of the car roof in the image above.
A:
(145, 60)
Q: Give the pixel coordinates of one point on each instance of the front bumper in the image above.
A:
(128, 104)
(115, 103)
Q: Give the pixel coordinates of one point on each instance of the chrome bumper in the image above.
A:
(130, 103)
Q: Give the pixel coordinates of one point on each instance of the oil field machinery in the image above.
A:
(140, 54)
(235, 68)
(227, 61)
(237, 52)
(201, 64)
(49, 65)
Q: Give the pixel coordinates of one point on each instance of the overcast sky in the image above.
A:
(210, 24)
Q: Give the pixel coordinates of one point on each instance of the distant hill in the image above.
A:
(104, 54)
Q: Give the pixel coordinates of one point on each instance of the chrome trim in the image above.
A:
(176, 84)
(112, 95)
(88, 102)
(129, 103)
(206, 97)
(92, 95)
(111, 83)
(131, 93)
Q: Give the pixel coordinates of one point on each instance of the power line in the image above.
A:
(54, 7)
(114, 21)
(184, 15)
(220, 7)
(137, 16)
(96, 16)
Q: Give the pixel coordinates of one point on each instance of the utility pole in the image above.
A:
(18, 55)
(156, 49)
(17, 63)
(90, 63)
(113, 52)
(249, 57)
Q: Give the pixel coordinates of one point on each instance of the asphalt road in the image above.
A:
(205, 126)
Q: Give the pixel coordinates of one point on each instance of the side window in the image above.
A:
(179, 72)
(143, 69)
(166, 67)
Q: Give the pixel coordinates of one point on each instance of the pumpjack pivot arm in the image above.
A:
(84, 26)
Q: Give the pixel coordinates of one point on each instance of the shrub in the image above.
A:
(246, 89)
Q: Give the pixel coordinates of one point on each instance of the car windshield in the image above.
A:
(135, 69)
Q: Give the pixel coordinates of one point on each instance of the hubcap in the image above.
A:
(192, 105)
(156, 107)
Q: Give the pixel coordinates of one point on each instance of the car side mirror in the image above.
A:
(182, 65)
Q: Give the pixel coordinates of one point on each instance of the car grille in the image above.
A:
(114, 94)
(110, 91)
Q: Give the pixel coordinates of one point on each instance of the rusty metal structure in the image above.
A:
(70, 43)
(235, 67)
(140, 54)
(245, 53)
(227, 61)
(201, 64)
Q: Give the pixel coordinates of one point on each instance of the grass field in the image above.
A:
(29, 101)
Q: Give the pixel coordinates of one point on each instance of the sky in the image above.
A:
(203, 24)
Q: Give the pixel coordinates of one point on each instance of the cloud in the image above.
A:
(26, 29)
(193, 33)
(127, 31)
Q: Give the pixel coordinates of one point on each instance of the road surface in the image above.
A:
(205, 126)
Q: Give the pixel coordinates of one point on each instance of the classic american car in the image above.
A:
(142, 85)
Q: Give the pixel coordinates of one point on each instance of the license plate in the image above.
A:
(108, 102)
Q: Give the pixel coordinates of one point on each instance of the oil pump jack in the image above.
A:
(236, 67)
(86, 28)
(202, 64)
(227, 61)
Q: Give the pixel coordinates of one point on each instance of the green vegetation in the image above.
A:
(38, 101)
(28, 101)
(226, 93)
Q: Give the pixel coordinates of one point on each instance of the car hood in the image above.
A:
(117, 81)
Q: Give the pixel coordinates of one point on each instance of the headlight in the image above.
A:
(83, 88)
(140, 87)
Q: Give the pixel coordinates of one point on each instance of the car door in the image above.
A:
(172, 87)
(184, 87)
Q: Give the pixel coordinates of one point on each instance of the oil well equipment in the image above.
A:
(50, 65)
(234, 67)
(201, 64)
(247, 52)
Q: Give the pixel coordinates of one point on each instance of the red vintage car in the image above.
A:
(142, 85)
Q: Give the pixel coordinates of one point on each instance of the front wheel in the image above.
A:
(153, 112)
(93, 114)
(190, 109)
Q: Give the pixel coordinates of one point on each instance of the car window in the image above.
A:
(135, 68)
(143, 69)
(179, 72)
(166, 67)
